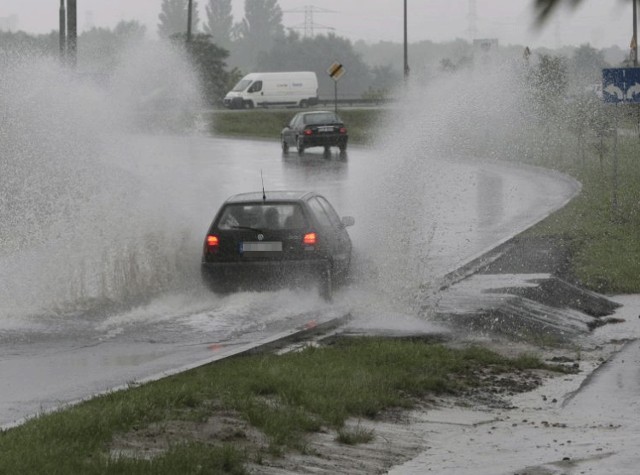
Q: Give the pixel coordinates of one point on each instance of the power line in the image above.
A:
(309, 26)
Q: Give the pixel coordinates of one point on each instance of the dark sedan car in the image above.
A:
(279, 238)
(314, 129)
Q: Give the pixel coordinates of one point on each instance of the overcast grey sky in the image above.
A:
(601, 23)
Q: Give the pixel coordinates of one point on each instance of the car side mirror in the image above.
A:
(348, 221)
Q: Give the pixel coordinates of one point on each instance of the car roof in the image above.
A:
(271, 196)
(316, 112)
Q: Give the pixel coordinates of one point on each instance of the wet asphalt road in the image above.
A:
(65, 335)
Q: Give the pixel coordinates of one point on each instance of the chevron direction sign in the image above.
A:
(621, 85)
(335, 71)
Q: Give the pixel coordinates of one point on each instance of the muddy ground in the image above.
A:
(395, 440)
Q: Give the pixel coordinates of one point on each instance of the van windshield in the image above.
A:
(242, 85)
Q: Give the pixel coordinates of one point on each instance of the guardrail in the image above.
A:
(327, 103)
(355, 101)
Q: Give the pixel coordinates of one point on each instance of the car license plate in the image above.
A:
(261, 246)
(325, 129)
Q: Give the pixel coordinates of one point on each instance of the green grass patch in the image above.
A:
(284, 396)
(602, 225)
(354, 436)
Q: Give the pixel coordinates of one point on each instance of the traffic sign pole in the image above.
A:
(335, 72)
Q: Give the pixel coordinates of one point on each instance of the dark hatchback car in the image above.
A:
(314, 129)
(276, 239)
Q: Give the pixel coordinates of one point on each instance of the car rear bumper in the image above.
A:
(263, 274)
(325, 141)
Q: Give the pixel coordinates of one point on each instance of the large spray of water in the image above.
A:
(409, 214)
(85, 228)
(78, 229)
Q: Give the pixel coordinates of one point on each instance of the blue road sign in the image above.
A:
(621, 85)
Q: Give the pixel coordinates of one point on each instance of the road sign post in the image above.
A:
(335, 72)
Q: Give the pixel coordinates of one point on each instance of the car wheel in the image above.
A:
(300, 145)
(326, 284)
(304, 104)
(248, 105)
(285, 146)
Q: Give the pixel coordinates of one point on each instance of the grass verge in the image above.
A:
(601, 226)
(284, 397)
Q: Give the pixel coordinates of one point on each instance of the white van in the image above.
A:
(295, 88)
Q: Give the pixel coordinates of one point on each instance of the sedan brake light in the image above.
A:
(308, 132)
(343, 130)
(212, 243)
(310, 239)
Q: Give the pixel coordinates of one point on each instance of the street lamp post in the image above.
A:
(406, 53)
(189, 16)
(63, 31)
(635, 33)
(72, 32)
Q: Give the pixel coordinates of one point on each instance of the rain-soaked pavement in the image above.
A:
(120, 299)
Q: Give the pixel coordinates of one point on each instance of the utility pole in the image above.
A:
(63, 32)
(189, 16)
(634, 41)
(72, 33)
(406, 53)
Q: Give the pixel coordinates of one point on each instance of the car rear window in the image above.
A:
(262, 216)
(328, 118)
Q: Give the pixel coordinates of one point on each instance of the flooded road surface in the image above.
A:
(107, 292)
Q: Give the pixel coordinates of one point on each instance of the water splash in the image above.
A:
(78, 230)
(410, 218)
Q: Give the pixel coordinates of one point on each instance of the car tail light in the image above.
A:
(343, 130)
(212, 243)
(308, 132)
(310, 239)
